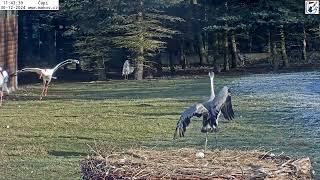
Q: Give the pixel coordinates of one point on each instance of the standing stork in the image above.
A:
(210, 111)
(47, 74)
(4, 79)
(127, 69)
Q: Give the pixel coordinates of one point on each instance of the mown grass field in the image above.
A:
(47, 139)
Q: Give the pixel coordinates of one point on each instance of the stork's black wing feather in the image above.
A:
(185, 118)
(214, 112)
(227, 109)
(222, 103)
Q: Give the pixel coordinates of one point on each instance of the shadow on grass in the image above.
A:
(159, 114)
(66, 153)
(77, 137)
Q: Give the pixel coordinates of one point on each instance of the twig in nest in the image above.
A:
(135, 155)
(139, 172)
(268, 153)
(282, 165)
(242, 173)
(91, 149)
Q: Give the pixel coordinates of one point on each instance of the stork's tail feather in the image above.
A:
(178, 132)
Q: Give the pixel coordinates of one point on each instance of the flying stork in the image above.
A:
(4, 79)
(47, 74)
(210, 111)
(127, 69)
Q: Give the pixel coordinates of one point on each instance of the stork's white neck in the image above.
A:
(212, 89)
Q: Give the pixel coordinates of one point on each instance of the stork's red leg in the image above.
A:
(46, 89)
(43, 89)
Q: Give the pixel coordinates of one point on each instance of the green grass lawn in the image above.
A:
(47, 139)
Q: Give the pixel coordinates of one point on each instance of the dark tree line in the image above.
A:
(175, 33)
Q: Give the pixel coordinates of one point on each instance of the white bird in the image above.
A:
(210, 111)
(127, 69)
(47, 74)
(4, 79)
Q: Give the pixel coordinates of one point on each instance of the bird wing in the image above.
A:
(131, 69)
(68, 61)
(221, 103)
(227, 109)
(185, 118)
(36, 70)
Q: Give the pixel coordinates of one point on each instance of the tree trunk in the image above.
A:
(274, 56)
(283, 48)
(48, 43)
(215, 46)
(3, 38)
(140, 57)
(190, 33)
(304, 46)
(269, 42)
(8, 44)
(183, 59)
(234, 50)
(202, 51)
(249, 41)
(319, 31)
(159, 68)
(139, 68)
(25, 31)
(206, 46)
(226, 51)
(171, 64)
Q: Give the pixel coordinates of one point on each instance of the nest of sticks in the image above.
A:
(184, 164)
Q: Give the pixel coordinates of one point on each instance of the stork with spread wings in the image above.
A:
(210, 111)
(47, 74)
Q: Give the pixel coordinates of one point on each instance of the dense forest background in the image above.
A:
(159, 36)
